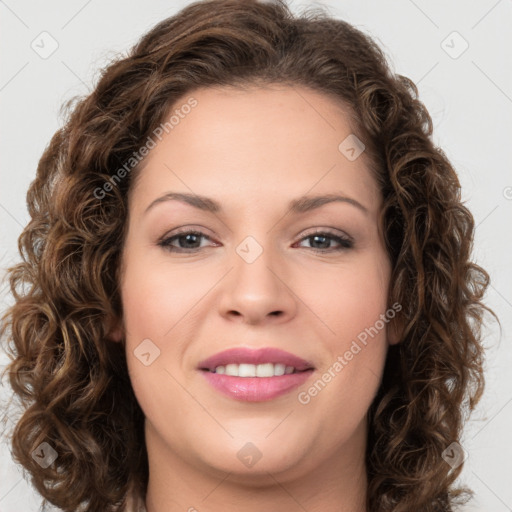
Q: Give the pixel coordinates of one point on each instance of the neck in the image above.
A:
(336, 484)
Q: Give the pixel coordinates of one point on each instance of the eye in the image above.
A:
(187, 241)
(323, 239)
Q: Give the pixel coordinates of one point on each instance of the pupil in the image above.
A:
(188, 238)
(316, 237)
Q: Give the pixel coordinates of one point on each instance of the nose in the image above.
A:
(258, 292)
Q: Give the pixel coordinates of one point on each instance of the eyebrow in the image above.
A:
(300, 205)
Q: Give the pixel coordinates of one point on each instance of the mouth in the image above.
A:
(255, 375)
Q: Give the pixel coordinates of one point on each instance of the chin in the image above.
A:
(250, 459)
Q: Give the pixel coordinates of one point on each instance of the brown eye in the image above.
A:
(186, 241)
(320, 241)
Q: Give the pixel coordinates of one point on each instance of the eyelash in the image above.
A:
(345, 242)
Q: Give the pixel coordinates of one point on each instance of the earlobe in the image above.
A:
(394, 333)
(116, 333)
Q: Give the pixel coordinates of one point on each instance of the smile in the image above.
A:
(253, 370)
(255, 375)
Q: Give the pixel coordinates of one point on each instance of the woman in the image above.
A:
(318, 347)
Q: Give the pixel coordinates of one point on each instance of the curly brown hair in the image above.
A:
(73, 382)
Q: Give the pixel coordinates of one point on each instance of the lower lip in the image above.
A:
(256, 389)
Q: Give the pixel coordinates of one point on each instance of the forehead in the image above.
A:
(267, 141)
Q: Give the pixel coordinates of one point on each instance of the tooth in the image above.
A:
(232, 369)
(246, 370)
(252, 370)
(265, 370)
(279, 369)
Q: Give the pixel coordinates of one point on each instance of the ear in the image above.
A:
(115, 331)
(394, 332)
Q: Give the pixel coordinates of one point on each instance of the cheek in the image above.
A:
(351, 305)
(348, 380)
(155, 297)
(159, 305)
(350, 299)
(151, 310)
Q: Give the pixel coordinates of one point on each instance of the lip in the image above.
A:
(255, 389)
(241, 355)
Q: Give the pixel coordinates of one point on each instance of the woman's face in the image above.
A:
(256, 277)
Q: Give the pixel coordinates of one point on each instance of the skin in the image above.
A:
(253, 151)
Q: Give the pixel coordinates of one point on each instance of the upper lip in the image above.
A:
(241, 355)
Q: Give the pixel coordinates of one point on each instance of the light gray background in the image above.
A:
(469, 98)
